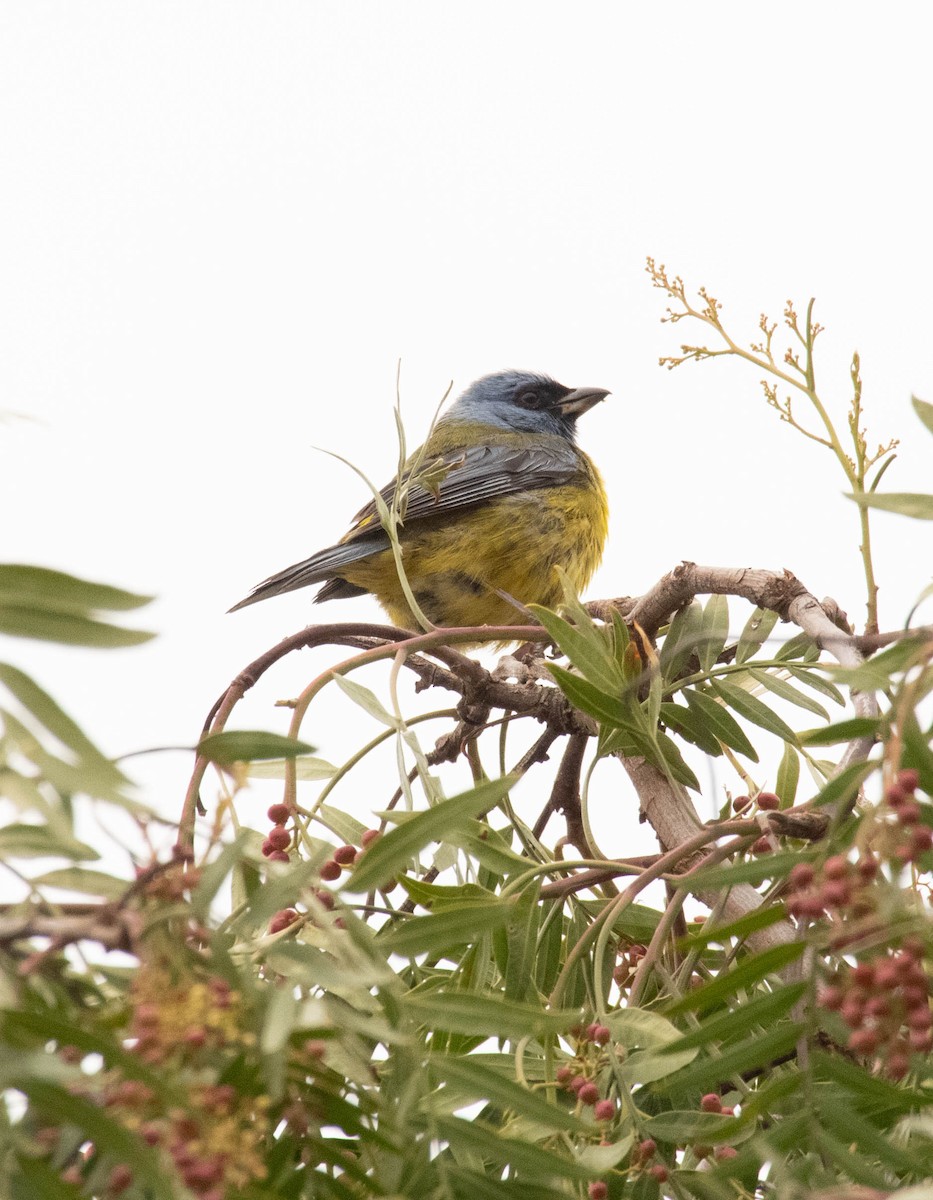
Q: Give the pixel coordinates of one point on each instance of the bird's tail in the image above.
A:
(321, 566)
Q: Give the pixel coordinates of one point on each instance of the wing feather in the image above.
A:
(477, 475)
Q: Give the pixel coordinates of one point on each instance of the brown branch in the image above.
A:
(565, 796)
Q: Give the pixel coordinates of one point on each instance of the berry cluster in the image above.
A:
(766, 801)
(907, 838)
(884, 1001)
(190, 1028)
(278, 839)
(629, 957)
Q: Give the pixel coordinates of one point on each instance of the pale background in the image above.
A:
(222, 224)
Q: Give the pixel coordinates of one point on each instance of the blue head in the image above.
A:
(524, 401)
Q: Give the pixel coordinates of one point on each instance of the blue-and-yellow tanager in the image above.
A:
(516, 499)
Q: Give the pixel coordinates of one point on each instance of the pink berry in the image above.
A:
(605, 1110)
(909, 779)
(768, 801)
(711, 1103)
(278, 838)
(801, 876)
(278, 814)
(836, 867)
(588, 1094)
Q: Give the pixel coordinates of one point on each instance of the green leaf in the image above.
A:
(340, 823)
(788, 776)
(589, 699)
(762, 917)
(681, 641)
(490, 1015)
(842, 731)
(445, 930)
(33, 1177)
(489, 846)
(306, 767)
(851, 1127)
(693, 1126)
(924, 411)
(602, 1157)
(438, 897)
(765, 1009)
(918, 505)
(646, 1036)
(587, 648)
(58, 590)
(531, 1161)
(753, 870)
(244, 745)
(522, 942)
(81, 879)
(672, 762)
(845, 784)
(759, 1050)
(713, 631)
(813, 679)
(39, 841)
(756, 632)
(750, 970)
(56, 720)
(384, 859)
(475, 1081)
(688, 723)
(786, 691)
(367, 700)
(752, 709)
(464, 1184)
(720, 722)
(72, 629)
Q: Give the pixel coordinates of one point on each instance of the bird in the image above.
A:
(500, 500)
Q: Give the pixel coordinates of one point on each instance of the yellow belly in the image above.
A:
(513, 545)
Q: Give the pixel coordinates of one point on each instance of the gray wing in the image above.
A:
(474, 476)
(477, 475)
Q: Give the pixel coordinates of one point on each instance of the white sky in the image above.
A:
(221, 224)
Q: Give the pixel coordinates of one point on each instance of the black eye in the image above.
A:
(529, 400)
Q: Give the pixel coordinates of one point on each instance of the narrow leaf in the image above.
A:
(842, 731)
(924, 411)
(749, 970)
(244, 745)
(587, 649)
(480, 1082)
(752, 709)
(688, 723)
(918, 505)
(366, 700)
(487, 1015)
(788, 775)
(589, 699)
(714, 630)
(71, 629)
(786, 691)
(720, 722)
(443, 931)
(756, 632)
(383, 859)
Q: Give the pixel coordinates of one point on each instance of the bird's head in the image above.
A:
(525, 402)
